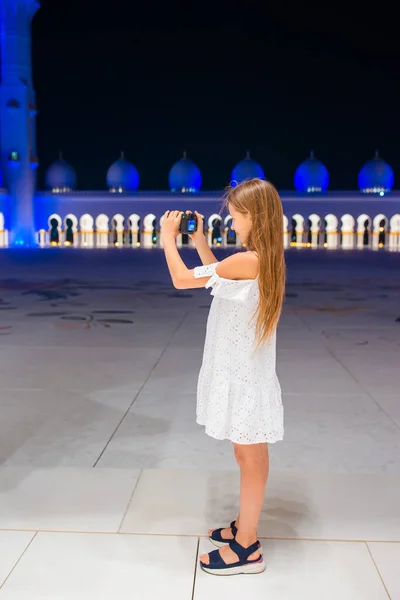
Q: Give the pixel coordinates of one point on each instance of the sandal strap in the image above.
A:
(216, 561)
(234, 529)
(217, 533)
(244, 553)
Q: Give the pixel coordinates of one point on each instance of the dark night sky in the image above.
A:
(156, 78)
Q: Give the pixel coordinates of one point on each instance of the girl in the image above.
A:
(238, 394)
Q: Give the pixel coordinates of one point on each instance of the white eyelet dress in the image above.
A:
(238, 393)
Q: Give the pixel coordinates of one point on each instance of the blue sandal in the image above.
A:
(217, 539)
(218, 566)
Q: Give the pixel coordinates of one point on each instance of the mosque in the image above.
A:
(124, 215)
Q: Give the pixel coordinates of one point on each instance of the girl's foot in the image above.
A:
(228, 556)
(220, 537)
(233, 560)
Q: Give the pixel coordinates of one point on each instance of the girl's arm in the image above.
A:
(239, 266)
(236, 267)
(243, 265)
(182, 277)
(203, 249)
(200, 241)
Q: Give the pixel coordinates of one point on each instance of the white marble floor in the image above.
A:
(107, 485)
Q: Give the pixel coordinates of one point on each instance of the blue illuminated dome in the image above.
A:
(376, 177)
(60, 176)
(185, 176)
(122, 176)
(311, 176)
(246, 169)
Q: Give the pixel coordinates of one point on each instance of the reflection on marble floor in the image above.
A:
(101, 457)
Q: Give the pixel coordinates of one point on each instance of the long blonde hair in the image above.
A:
(261, 200)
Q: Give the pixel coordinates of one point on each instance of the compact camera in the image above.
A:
(188, 223)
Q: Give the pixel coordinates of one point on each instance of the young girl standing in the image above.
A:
(238, 394)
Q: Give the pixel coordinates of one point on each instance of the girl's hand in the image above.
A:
(171, 222)
(200, 227)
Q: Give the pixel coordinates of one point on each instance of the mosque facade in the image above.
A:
(124, 215)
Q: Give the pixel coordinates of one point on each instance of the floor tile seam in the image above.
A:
(140, 390)
(377, 570)
(370, 396)
(130, 500)
(326, 395)
(196, 563)
(331, 353)
(67, 347)
(354, 378)
(86, 390)
(19, 559)
(197, 535)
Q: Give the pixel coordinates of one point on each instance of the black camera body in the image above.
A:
(188, 223)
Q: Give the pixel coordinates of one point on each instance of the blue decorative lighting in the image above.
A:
(376, 177)
(60, 176)
(122, 176)
(17, 120)
(185, 176)
(246, 169)
(311, 176)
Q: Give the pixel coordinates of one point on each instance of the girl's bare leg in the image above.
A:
(253, 461)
